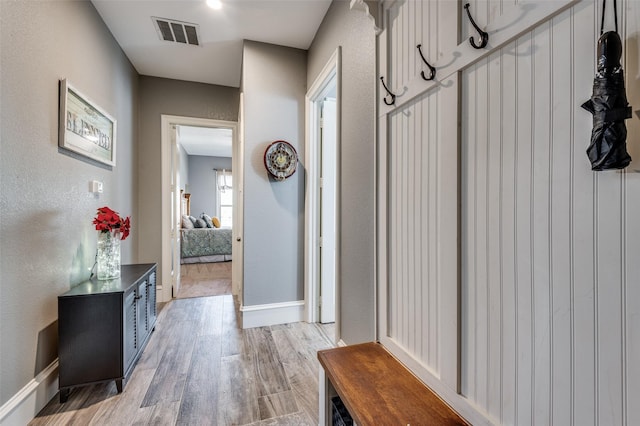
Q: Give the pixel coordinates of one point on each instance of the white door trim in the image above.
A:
(164, 289)
(317, 91)
(327, 208)
(237, 269)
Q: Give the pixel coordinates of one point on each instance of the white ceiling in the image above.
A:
(205, 141)
(218, 60)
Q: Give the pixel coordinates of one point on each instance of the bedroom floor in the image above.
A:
(199, 368)
(204, 279)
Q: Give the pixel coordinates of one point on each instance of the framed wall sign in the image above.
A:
(84, 127)
(281, 160)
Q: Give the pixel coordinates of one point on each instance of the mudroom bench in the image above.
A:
(376, 389)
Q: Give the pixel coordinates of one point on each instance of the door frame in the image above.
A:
(165, 292)
(332, 70)
(237, 268)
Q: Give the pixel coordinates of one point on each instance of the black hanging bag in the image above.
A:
(608, 104)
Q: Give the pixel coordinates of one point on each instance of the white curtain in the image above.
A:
(224, 180)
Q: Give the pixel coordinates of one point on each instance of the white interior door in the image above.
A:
(327, 191)
(176, 201)
(238, 206)
(322, 200)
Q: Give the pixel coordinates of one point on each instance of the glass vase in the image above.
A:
(108, 255)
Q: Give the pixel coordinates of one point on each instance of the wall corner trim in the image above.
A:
(27, 403)
(272, 314)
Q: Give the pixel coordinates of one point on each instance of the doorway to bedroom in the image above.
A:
(206, 190)
(200, 208)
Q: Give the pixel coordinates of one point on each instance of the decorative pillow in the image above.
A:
(216, 222)
(193, 220)
(207, 220)
(186, 222)
(200, 223)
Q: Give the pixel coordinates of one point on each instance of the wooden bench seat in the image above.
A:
(377, 389)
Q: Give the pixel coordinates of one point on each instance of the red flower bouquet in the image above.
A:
(107, 220)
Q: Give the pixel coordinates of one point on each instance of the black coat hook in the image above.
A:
(484, 36)
(432, 70)
(393, 97)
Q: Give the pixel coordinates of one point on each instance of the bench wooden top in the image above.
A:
(378, 390)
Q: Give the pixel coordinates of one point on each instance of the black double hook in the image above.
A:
(484, 36)
(393, 97)
(432, 69)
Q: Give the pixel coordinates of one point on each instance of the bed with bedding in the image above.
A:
(205, 244)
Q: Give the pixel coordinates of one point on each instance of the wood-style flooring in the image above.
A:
(204, 279)
(199, 368)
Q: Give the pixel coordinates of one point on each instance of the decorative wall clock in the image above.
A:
(281, 160)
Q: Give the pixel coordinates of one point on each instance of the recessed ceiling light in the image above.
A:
(214, 4)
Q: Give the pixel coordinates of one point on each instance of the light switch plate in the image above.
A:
(96, 187)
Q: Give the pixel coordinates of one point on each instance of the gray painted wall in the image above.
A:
(354, 31)
(173, 97)
(274, 87)
(202, 183)
(47, 241)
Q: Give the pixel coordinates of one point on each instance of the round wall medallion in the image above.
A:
(281, 160)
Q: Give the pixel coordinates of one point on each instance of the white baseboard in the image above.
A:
(272, 314)
(341, 343)
(27, 403)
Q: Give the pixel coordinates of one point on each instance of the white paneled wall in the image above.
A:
(422, 215)
(413, 183)
(544, 277)
(545, 241)
(412, 23)
(483, 12)
(520, 170)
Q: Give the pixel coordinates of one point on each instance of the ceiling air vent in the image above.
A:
(176, 31)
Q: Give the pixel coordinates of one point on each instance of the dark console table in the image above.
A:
(103, 327)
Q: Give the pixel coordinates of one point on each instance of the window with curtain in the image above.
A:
(224, 193)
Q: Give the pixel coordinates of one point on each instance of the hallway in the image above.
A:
(199, 368)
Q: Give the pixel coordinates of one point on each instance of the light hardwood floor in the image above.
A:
(205, 279)
(199, 368)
